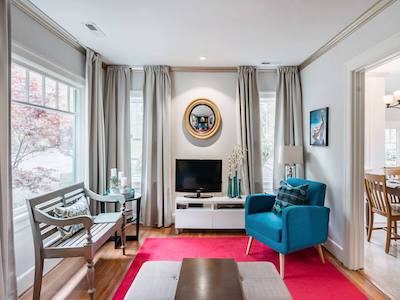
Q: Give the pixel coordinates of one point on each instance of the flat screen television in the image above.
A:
(198, 176)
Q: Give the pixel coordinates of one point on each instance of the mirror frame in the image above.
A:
(186, 119)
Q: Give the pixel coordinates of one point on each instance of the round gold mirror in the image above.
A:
(202, 118)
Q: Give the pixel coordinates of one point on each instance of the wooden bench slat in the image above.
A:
(49, 233)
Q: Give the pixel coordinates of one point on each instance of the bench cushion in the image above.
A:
(157, 280)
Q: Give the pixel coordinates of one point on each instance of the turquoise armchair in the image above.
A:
(299, 227)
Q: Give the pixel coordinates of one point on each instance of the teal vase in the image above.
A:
(240, 189)
(230, 195)
(235, 185)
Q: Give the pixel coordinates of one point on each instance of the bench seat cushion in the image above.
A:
(158, 280)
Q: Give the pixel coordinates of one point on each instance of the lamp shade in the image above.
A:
(291, 155)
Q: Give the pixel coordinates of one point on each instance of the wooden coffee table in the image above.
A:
(211, 279)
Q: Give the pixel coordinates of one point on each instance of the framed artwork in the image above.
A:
(319, 121)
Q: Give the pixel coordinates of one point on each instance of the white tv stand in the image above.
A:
(210, 213)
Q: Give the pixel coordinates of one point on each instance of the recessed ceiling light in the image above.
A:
(203, 58)
(265, 63)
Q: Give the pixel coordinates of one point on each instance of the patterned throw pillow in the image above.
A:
(289, 195)
(79, 208)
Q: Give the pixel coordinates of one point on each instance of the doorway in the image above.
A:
(382, 150)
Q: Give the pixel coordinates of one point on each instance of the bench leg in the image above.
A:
(37, 286)
(90, 278)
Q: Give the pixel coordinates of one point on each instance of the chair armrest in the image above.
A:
(42, 217)
(259, 203)
(304, 226)
(108, 198)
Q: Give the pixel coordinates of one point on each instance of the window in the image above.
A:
(267, 118)
(391, 147)
(44, 127)
(136, 115)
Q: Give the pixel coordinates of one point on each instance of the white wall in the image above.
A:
(221, 89)
(34, 43)
(325, 83)
(374, 122)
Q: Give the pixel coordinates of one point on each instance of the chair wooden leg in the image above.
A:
(321, 253)
(250, 241)
(90, 278)
(370, 225)
(282, 265)
(395, 227)
(388, 234)
(37, 286)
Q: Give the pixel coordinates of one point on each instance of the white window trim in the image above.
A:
(20, 214)
(136, 96)
(267, 97)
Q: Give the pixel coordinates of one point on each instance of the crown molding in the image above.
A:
(370, 13)
(39, 16)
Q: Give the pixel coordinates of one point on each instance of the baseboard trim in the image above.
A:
(335, 248)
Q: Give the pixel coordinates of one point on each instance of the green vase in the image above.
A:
(230, 187)
(235, 185)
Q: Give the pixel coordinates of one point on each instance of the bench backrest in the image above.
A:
(47, 203)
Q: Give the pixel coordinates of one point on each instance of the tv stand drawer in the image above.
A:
(193, 218)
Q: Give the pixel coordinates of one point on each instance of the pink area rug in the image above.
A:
(305, 275)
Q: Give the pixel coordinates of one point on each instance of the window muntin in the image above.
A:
(267, 119)
(44, 125)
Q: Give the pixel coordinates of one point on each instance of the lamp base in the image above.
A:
(290, 171)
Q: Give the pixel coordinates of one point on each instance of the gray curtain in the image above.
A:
(117, 119)
(96, 156)
(288, 118)
(8, 285)
(248, 108)
(156, 182)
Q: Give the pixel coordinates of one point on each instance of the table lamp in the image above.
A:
(290, 155)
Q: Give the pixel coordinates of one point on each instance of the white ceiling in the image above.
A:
(227, 32)
(392, 66)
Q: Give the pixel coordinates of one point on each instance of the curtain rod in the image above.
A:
(200, 69)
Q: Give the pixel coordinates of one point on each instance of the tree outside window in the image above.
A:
(42, 136)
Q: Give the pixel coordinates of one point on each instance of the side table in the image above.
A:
(129, 197)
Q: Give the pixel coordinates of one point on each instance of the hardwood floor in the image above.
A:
(67, 280)
(381, 268)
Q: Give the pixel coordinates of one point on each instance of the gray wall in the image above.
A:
(324, 84)
(26, 32)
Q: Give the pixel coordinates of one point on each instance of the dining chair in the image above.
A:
(379, 203)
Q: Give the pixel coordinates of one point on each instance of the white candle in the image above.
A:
(120, 174)
(113, 172)
(124, 181)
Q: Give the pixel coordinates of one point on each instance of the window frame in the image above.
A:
(20, 214)
(138, 96)
(267, 97)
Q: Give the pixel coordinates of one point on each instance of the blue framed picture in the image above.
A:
(319, 121)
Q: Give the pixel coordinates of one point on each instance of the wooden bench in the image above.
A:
(47, 239)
